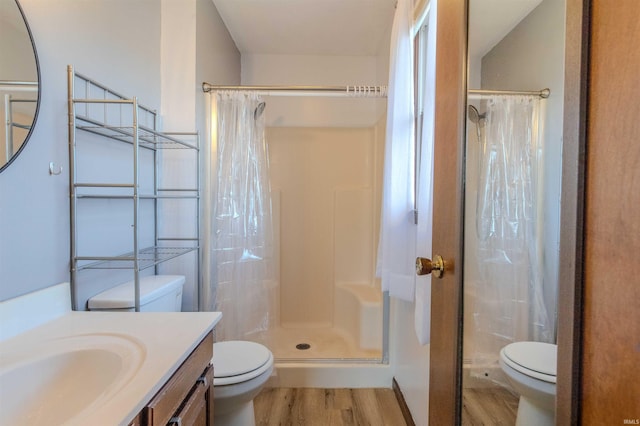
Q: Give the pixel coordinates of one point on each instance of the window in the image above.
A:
(419, 79)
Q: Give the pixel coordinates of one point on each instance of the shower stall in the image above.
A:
(325, 155)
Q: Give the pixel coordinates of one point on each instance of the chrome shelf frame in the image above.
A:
(97, 109)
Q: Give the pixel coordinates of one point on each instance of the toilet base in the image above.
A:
(242, 416)
(531, 414)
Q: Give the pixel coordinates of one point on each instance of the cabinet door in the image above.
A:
(197, 409)
(137, 421)
(181, 385)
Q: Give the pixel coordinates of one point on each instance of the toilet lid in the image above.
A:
(235, 358)
(535, 356)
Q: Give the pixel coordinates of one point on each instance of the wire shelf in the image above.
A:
(147, 138)
(141, 197)
(147, 258)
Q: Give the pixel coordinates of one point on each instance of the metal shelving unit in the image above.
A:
(99, 110)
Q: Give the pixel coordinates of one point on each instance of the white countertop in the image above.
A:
(161, 342)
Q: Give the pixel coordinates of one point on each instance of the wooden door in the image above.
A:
(610, 389)
(446, 293)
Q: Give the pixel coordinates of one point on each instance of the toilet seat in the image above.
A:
(534, 359)
(237, 361)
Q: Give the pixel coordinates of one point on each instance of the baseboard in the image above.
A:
(330, 375)
(408, 419)
(482, 376)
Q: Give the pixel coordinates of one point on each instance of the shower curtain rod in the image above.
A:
(544, 93)
(352, 91)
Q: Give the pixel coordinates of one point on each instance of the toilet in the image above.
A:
(240, 368)
(530, 368)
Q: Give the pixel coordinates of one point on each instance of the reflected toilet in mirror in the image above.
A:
(530, 368)
(512, 211)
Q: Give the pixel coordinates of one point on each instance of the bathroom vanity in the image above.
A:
(111, 368)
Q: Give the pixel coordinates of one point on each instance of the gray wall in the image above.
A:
(116, 42)
(531, 57)
(217, 58)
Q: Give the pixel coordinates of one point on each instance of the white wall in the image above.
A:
(116, 42)
(409, 360)
(304, 70)
(195, 47)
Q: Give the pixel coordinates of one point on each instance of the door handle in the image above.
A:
(426, 266)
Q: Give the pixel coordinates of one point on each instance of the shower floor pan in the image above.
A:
(324, 344)
(332, 360)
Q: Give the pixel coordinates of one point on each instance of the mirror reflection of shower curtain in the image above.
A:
(509, 304)
(241, 228)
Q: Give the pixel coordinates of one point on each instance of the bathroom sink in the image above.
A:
(55, 381)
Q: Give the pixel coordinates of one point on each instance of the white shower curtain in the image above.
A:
(241, 228)
(396, 247)
(422, 317)
(509, 302)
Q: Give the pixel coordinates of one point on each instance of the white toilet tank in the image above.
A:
(158, 293)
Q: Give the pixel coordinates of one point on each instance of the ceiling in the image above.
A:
(308, 27)
(348, 27)
(491, 20)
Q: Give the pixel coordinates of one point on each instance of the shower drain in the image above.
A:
(303, 346)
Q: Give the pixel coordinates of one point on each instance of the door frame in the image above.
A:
(570, 280)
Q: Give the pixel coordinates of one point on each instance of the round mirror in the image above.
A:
(19, 82)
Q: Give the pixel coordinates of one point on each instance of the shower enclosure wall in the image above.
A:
(325, 205)
(325, 166)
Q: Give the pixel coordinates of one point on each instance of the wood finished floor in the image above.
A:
(489, 407)
(322, 407)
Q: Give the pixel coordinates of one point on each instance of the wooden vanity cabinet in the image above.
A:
(187, 397)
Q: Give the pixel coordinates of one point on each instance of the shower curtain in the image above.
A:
(509, 302)
(241, 228)
(395, 264)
